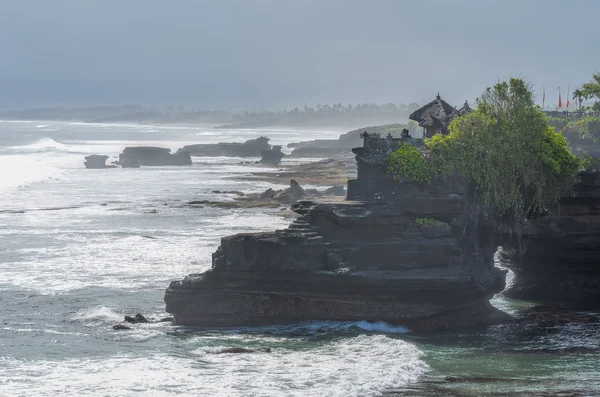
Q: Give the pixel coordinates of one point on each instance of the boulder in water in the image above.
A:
(272, 156)
(95, 161)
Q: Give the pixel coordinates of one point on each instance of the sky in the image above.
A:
(252, 54)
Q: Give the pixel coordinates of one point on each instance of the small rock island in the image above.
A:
(96, 161)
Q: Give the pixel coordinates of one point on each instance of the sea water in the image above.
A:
(80, 249)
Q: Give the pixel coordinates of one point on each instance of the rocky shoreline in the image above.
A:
(410, 254)
(422, 260)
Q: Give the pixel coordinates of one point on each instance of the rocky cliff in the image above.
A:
(558, 256)
(422, 259)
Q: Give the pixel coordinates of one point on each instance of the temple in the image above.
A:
(373, 182)
(436, 116)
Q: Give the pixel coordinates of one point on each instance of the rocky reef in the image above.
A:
(152, 156)
(250, 148)
(557, 257)
(96, 161)
(422, 258)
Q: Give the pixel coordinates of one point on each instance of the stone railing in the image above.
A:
(571, 115)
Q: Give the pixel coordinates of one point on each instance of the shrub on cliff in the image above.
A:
(587, 127)
(518, 163)
(408, 164)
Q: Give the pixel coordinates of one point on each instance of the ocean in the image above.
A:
(80, 249)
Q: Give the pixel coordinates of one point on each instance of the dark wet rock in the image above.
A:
(137, 319)
(250, 148)
(130, 320)
(152, 156)
(95, 161)
(121, 327)
(141, 319)
(199, 202)
(557, 257)
(355, 260)
(166, 320)
(236, 192)
(554, 316)
(152, 212)
(237, 350)
(272, 156)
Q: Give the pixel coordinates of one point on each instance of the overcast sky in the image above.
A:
(282, 53)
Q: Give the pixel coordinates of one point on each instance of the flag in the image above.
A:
(568, 91)
(544, 96)
(559, 100)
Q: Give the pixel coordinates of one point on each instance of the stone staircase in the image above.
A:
(302, 226)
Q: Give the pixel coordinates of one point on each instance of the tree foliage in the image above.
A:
(505, 149)
(591, 89)
(588, 127)
(517, 162)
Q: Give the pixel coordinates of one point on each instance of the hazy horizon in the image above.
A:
(280, 54)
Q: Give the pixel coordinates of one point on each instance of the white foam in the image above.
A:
(362, 366)
(41, 145)
(380, 326)
(98, 314)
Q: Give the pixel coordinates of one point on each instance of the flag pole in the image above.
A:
(543, 96)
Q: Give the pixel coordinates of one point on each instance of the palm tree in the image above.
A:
(578, 96)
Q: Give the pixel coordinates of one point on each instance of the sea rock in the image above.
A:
(95, 161)
(556, 258)
(137, 319)
(133, 157)
(250, 148)
(272, 156)
(236, 192)
(244, 350)
(353, 261)
(121, 327)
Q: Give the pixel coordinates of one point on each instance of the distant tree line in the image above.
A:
(317, 116)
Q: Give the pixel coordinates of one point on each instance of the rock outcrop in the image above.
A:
(250, 148)
(272, 156)
(95, 161)
(557, 258)
(422, 258)
(343, 145)
(152, 156)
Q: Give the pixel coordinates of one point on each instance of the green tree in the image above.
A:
(506, 149)
(592, 89)
(578, 96)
